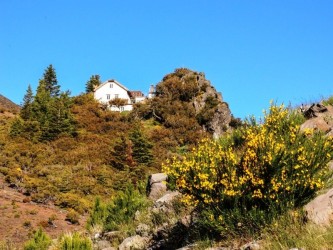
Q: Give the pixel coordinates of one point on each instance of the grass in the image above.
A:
(289, 232)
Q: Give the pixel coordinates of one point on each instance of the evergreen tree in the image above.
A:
(93, 81)
(51, 82)
(41, 110)
(25, 112)
(47, 115)
(121, 155)
(60, 115)
(142, 148)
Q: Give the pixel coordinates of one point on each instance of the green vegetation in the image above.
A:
(75, 241)
(242, 182)
(93, 82)
(328, 101)
(45, 116)
(40, 241)
(292, 231)
(120, 211)
(76, 154)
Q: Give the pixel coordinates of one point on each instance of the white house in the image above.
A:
(111, 89)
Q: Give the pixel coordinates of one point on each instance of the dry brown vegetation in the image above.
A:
(107, 151)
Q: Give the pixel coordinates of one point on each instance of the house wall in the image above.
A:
(109, 91)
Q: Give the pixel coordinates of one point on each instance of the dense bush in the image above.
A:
(40, 241)
(120, 210)
(75, 241)
(242, 181)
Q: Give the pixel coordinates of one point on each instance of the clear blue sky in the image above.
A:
(251, 51)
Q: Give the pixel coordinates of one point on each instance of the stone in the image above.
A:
(135, 242)
(317, 123)
(160, 177)
(113, 235)
(143, 230)
(189, 247)
(186, 220)
(157, 190)
(166, 199)
(320, 209)
(102, 244)
(253, 245)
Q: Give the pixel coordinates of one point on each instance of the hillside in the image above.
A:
(8, 105)
(105, 151)
(64, 159)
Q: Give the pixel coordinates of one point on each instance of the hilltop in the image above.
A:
(8, 105)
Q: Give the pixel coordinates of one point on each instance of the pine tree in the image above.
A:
(25, 112)
(60, 116)
(41, 110)
(142, 148)
(93, 82)
(122, 154)
(51, 82)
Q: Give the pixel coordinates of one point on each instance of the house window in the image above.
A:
(116, 96)
(108, 96)
(111, 85)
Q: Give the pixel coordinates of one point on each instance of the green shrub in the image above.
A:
(98, 214)
(328, 101)
(239, 186)
(72, 216)
(122, 208)
(40, 241)
(75, 241)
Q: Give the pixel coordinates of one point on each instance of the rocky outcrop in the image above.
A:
(135, 242)
(190, 91)
(212, 111)
(319, 118)
(320, 210)
(157, 185)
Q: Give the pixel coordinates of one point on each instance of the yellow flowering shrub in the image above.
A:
(259, 169)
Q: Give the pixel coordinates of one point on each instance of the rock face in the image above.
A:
(135, 242)
(191, 91)
(320, 210)
(319, 117)
(211, 106)
(157, 185)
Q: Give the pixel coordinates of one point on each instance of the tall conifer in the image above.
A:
(25, 112)
(51, 82)
(93, 82)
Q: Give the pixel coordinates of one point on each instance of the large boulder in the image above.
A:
(135, 242)
(157, 185)
(320, 209)
(316, 123)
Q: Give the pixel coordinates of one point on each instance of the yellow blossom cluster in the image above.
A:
(275, 163)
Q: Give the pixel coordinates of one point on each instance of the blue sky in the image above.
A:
(251, 51)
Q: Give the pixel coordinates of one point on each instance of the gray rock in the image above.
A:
(113, 235)
(186, 220)
(219, 121)
(320, 209)
(317, 123)
(189, 247)
(143, 230)
(135, 242)
(157, 190)
(253, 245)
(160, 177)
(166, 199)
(102, 244)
